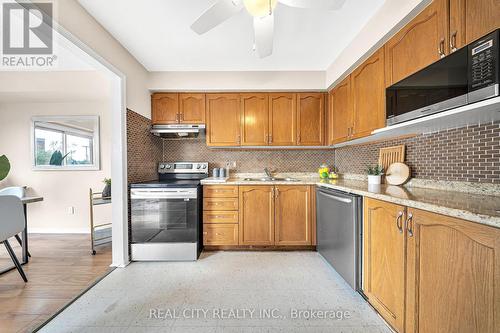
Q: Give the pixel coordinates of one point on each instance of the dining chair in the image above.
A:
(12, 215)
(18, 192)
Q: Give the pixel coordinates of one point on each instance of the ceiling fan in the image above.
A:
(263, 18)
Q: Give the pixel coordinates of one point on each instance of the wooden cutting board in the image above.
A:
(391, 155)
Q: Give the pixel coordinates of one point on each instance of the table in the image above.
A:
(24, 235)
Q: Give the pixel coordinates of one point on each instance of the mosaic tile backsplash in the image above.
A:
(470, 154)
(144, 150)
(249, 160)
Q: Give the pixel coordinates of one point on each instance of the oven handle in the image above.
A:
(162, 194)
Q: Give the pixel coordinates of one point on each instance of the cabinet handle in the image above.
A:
(267, 138)
(205, 233)
(453, 41)
(277, 193)
(298, 139)
(409, 224)
(238, 139)
(182, 116)
(177, 118)
(270, 138)
(441, 48)
(399, 222)
(218, 234)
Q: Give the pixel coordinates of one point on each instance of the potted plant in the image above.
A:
(57, 158)
(375, 174)
(4, 167)
(106, 193)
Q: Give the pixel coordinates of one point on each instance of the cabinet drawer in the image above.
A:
(220, 234)
(220, 191)
(220, 203)
(214, 216)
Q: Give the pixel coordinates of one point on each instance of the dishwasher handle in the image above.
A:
(334, 197)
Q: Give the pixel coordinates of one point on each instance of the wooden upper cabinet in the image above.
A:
(340, 112)
(282, 119)
(368, 95)
(164, 108)
(420, 43)
(293, 216)
(192, 108)
(384, 259)
(256, 215)
(472, 19)
(453, 271)
(310, 119)
(254, 119)
(223, 119)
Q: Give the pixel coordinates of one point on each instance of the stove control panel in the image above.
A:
(183, 167)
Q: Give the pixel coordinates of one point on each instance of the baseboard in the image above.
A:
(58, 230)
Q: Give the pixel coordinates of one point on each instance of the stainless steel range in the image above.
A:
(166, 214)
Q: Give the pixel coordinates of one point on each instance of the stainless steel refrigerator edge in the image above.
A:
(339, 232)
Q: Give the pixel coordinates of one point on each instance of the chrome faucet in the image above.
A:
(268, 173)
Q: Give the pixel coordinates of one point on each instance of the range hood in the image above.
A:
(177, 131)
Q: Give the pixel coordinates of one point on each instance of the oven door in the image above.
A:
(164, 215)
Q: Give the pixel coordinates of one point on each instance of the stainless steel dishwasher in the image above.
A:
(339, 232)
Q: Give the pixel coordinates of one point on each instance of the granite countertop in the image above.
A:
(479, 208)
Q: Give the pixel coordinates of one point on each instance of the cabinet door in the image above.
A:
(223, 120)
(340, 112)
(293, 215)
(368, 95)
(165, 109)
(282, 119)
(420, 43)
(310, 119)
(192, 108)
(254, 120)
(453, 273)
(472, 19)
(384, 259)
(256, 215)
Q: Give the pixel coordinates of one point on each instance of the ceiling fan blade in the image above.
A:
(264, 31)
(215, 15)
(315, 4)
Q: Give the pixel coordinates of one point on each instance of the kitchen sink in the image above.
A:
(273, 179)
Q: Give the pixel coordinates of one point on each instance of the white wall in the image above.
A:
(390, 18)
(60, 189)
(73, 17)
(236, 81)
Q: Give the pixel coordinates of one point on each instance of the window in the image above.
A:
(69, 143)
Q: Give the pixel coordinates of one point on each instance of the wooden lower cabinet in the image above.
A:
(384, 259)
(262, 215)
(256, 215)
(293, 215)
(453, 272)
(220, 234)
(425, 272)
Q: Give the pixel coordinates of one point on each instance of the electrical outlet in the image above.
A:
(231, 164)
(71, 210)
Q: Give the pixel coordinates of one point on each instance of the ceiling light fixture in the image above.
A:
(260, 8)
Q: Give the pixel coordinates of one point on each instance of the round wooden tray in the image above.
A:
(397, 174)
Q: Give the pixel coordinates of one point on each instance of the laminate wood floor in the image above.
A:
(60, 268)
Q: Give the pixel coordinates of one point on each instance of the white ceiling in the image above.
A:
(158, 34)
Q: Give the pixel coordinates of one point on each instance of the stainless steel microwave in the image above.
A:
(466, 76)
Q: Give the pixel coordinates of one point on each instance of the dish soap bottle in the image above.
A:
(323, 171)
